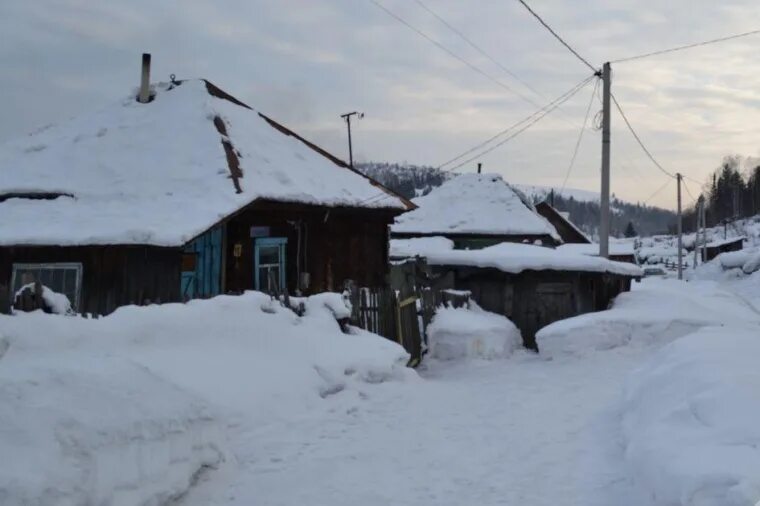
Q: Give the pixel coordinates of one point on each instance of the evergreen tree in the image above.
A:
(629, 230)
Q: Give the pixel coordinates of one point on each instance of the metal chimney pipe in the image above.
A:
(144, 96)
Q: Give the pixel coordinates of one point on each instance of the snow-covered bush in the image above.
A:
(127, 409)
(690, 421)
(457, 333)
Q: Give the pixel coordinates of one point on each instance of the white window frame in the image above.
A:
(77, 266)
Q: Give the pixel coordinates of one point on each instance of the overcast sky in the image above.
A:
(304, 62)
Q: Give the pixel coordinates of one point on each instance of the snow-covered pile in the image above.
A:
(657, 311)
(615, 248)
(128, 409)
(690, 420)
(748, 260)
(56, 302)
(516, 257)
(474, 204)
(659, 253)
(419, 246)
(126, 170)
(457, 333)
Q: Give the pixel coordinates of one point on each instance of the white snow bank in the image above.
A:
(58, 303)
(690, 420)
(125, 410)
(657, 311)
(457, 333)
(419, 246)
(516, 257)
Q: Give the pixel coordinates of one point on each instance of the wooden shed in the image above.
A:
(191, 194)
(715, 248)
(531, 285)
(476, 211)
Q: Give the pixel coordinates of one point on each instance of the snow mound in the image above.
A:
(690, 421)
(458, 333)
(419, 246)
(58, 303)
(658, 311)
(128, 409)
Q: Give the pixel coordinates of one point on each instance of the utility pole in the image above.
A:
(704, 232)
(347, 117)
(604, 201)
(480, 167)
(680, 229)
(697, 223)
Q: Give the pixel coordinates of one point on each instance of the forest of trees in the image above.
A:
(732, 193)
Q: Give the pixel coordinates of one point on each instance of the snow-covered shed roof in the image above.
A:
(163, 172)
(516, 257)
(481, 204)
(615, 248)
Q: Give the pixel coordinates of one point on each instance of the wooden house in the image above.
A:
(568, 232)
(476, 211)
(716, 247)
(531, 285)
(185, 192)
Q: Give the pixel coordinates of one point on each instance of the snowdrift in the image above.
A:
(657, 311)
(129, 409)
(690, 420)
(457, 333)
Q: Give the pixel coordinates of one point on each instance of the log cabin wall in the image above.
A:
(336, 244)
(112, 276)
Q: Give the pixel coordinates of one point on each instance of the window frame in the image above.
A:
(262, 242)
(16, 267)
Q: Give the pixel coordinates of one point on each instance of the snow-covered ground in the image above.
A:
(282, 410)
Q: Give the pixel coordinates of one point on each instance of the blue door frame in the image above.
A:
(206, 279)
(263, 242)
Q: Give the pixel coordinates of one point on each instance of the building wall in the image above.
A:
(534, 299)
(112, 276)
(335, 245)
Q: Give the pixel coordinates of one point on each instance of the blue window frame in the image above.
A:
(269, 261)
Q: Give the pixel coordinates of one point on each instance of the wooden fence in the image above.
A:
(403, 312)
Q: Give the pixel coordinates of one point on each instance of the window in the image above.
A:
(65, 278)
(269, 264)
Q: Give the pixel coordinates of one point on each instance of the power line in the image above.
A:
(638, 139)
(538, 118)
(515, 125)
(657, 191)
(450, 52)
(580, 137)
(556, 36)
(687, 188)
(478, 48)
(687, 46)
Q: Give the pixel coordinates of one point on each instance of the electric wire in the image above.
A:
(556, 36)
(515, 125)
(657, 191)
(450, 52)
(687, 46)
(524, 128)
(479, 49)
(638, 139)
(580, 138)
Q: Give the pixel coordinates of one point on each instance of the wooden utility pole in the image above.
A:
(697, 223)
(604, 200)
(347, 117)
(680, 229)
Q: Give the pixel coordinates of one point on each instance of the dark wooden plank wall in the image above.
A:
(112, 276)
(534, 299)
(336, 245)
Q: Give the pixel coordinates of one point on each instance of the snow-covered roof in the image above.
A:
(474, 204)
(516, 257)
(162, 173)
(717, 243)
(615, 248)
(419, 246)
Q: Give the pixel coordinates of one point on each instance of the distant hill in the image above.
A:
(414, 180)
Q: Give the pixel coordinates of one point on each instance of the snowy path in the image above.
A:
(522, 431)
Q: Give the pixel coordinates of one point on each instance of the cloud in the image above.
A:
(307, 62)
